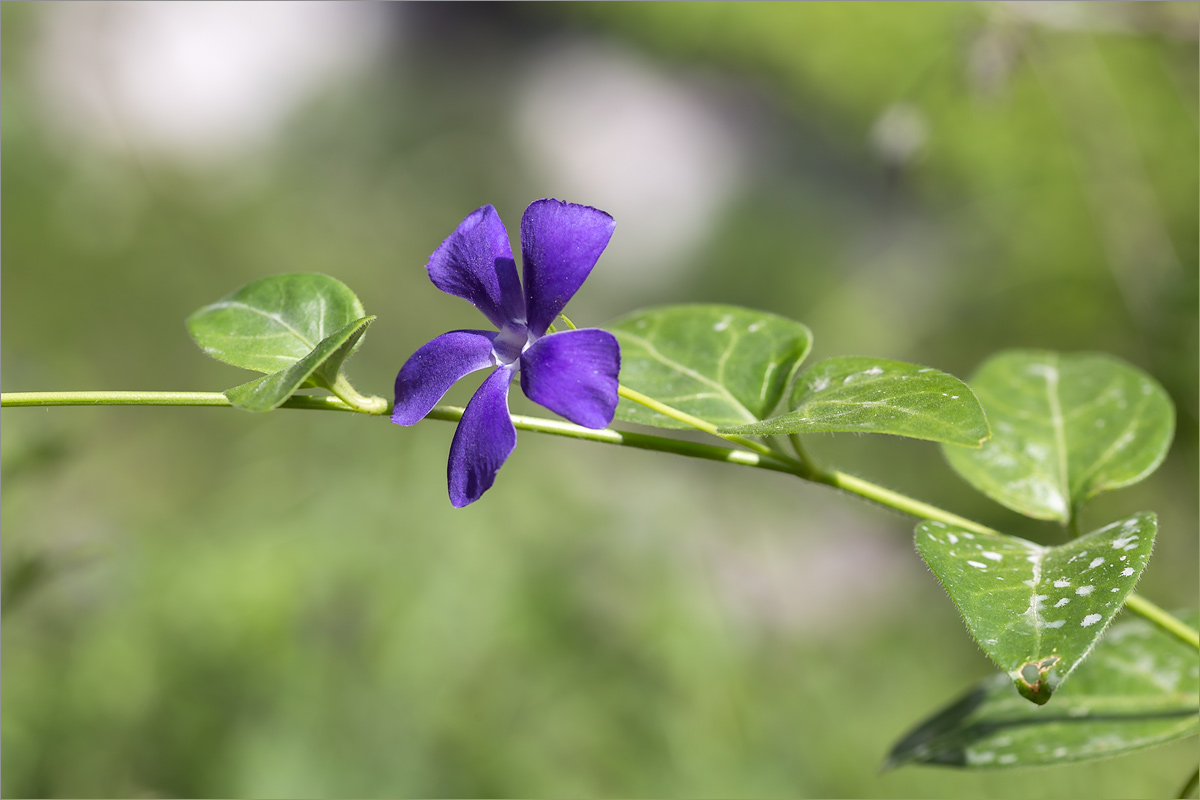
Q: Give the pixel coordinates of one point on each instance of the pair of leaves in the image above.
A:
(1137, 689)
(1066, 428)
(732, 367)
(299, 329)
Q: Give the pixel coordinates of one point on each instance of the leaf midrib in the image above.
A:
(1113, 448)
(271, 316)
(1060, 434)
(1039, 554)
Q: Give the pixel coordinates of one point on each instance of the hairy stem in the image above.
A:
(351, 397)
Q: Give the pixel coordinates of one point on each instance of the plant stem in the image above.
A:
(27, 399)
(217, 399)
(695, 422)
(763, 457)
(640, 441)
(1148, 611)
(806, 469)
(350, 396)
(897, 501)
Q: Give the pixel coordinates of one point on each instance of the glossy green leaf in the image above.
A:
(723, 364)
(273, 323)
(870, 395)
(1137, 689)
(1037, 611)
(269, 391)
(1065, 427)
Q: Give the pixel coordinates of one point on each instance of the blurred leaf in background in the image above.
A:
(286, 605)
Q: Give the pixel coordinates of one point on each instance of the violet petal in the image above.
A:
(574, 373)
(431, 371)
(476, 263)
(483, 441)
(560, 243)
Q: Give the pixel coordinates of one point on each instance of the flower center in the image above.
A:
(513, 339)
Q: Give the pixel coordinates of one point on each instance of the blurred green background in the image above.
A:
(203, 602)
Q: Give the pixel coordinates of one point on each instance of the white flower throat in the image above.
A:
(508, 345)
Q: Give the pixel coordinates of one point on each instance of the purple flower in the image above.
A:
(572, 373)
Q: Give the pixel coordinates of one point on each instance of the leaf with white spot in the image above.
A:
(1037, 611)
(723, 364)
(871, 395)
(1065, 427)
(1137, 689)
(297, 328)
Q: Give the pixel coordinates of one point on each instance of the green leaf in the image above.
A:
(1137, 689)
(1065, 428)
(723, 364)
(273, 323)
(870, 395)
(269, 391)
(1037, 611)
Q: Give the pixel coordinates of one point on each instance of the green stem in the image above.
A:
(762, 457)
(216, 399)
(640, 441)
(695, 422)
(368, 405)
(805, 468)
(1152, 613)
(897, 501)
(27, 399)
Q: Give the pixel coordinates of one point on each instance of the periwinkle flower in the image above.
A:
(573, 373)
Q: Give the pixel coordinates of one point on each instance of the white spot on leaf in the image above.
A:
(1090, 619)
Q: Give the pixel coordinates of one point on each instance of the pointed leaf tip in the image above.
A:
(1038, 611)
(1137, 689)
(871, 395)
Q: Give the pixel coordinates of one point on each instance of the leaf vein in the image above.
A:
(654, 353)
(273, 317)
